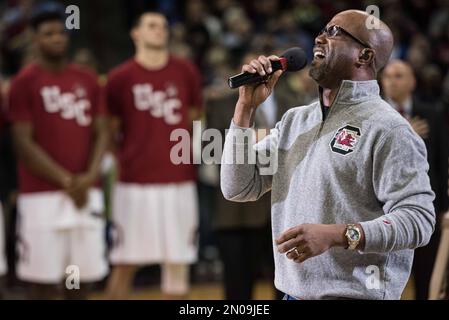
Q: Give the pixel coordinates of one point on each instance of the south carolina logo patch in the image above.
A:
(345, 139)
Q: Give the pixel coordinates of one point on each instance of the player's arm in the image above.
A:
(82, 182)
(101, 142)
(35, 158)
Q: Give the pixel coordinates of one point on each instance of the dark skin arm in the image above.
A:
(82, 182)
(314, 239)
(36, 159)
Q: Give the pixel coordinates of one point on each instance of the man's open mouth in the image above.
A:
(318, 54)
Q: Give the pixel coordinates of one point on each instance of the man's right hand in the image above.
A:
(251, 96)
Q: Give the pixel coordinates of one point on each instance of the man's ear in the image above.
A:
(366, 57)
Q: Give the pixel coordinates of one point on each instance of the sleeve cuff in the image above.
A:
(234, 126)
(374, 232)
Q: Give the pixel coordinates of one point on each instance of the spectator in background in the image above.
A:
(261, 12)
(428, 122)
(15, 36)
(309, 15)
(178, 42)
(288, 34)
(418, 53)
(59, 130)
(85, 57)
(429, 80)
(200, 27)
(238, 32)
(155, 208)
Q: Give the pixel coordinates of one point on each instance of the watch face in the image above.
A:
(353, 234)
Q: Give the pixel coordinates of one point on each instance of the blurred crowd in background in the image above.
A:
(218, 36)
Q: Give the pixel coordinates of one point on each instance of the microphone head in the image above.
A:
(296, 59)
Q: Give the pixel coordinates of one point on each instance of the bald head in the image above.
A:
(398, 81)
(353, 46)
(379, 36)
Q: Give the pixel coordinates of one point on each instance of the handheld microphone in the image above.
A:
(294, 59)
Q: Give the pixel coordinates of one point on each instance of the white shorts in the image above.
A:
(57, 240)
(155, 223)
(2, 244)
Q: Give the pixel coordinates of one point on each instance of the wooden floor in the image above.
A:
(214, 292)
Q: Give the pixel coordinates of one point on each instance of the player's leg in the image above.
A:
(121, 278)
(136, 235)
(180, 225)
(42, 270)
(87, 262)
(42, 245)
(175, 281)
(120, 281)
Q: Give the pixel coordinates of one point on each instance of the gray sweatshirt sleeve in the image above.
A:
(402, 185)
(247, 167)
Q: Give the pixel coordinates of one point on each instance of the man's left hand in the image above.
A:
(310, 240)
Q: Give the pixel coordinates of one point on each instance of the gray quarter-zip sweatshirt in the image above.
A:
(362, 164)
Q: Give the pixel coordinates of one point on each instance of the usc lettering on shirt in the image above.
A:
(161, 104)
(70, 105)
(61, 107)
(151, 104)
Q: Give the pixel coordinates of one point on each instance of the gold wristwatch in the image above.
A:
(353, 235)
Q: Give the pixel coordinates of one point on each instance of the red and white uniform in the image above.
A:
(54, 234)
(155, 201)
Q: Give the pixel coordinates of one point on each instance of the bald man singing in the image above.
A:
(351, 197)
